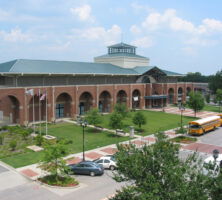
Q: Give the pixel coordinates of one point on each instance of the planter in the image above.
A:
(50, 138)
(56, 185)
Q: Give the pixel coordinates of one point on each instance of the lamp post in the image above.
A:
(182, 108)
(215, 154)
(83, 123)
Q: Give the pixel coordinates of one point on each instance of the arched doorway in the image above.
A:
(85, 102)
(136, 99)
(121, 97)
(38, 113)
(9, 110)
(63, 105)
(188, 91)
(180, 95)
(170, 96)
(105, 102)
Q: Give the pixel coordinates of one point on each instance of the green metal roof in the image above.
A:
(26, 66)
(144, 69)
(121, 45)
(62, 67)
(120, 55)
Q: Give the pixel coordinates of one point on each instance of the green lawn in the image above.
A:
(211, 108)
(72, 133)
(156, 121)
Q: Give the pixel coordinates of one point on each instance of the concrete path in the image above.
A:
(187, 112)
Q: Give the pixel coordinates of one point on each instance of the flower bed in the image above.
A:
(60, 181)
(184, 139)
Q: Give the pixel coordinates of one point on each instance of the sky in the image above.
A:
(181, 36)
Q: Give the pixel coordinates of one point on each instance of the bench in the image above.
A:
(120, 131)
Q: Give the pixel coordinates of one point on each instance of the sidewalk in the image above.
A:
(187, 112)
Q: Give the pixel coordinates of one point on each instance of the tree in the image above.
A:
(93, 117)
(194, 77)
(196, 102)
(219, 97)
(115, 121)
(215, 81)
(207, 98)
(157, 173)
(121, 108)
(24, 133)
(52, 160)
(139, 119)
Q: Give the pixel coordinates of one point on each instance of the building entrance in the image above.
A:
(60, 110)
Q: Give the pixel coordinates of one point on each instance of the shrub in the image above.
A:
(1, 139)
(24, 134)
(39, 140)
(4, 128)
(121, 109)
(64, 181)
(13, 144)
(181, 130)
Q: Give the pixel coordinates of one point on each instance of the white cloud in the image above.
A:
(108, 36)
(83, 13)
(135, 29)
(60, 46)
(201, 41)
(143, 42)
(168, 19)
(189, 51)
(16, 35)
(4, 15)
(139, 7)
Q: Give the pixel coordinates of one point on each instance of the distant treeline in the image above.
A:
(215, 81)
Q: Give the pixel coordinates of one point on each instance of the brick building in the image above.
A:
(72, 88)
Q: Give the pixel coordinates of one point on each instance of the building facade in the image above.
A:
(36, 90)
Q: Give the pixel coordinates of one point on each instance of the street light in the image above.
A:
(182, 108)
(83, 123)
(215, 154)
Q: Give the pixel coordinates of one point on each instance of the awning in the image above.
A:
(156, 97)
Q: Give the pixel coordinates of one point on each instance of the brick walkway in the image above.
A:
(187, 112)
(201, 147)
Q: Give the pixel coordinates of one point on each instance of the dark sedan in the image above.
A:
(87, 168)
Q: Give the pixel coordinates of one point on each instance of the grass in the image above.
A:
(73, 135)
(211, 108)
(184, 139)
(156, 121)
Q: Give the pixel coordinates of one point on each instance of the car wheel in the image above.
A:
(112, 167)
(92, 174)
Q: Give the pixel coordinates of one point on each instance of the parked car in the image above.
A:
(108, 162)
(211, 167)
(87, 168)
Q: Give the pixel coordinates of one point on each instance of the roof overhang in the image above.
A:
(156, 97)
(62, 74)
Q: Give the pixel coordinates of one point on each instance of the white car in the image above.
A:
(211, 167)
(108, 162)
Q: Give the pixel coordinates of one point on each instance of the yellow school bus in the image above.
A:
(201, 126)
(220, 115)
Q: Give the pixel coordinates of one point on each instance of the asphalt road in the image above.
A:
(213, 137)
(91, 188)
